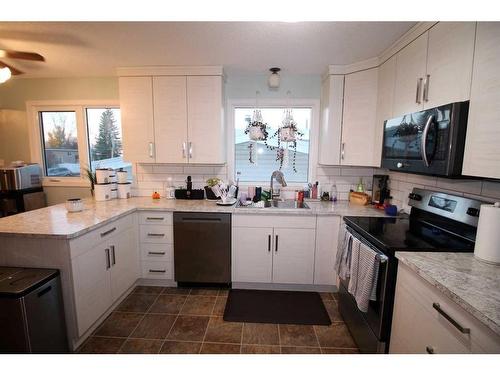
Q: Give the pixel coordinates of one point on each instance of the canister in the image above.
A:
(102, 175)
(102, 192)
(124, 190)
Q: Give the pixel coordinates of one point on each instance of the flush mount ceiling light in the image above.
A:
(274, 79)
(5, 74)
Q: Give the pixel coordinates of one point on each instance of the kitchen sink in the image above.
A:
(291, 205)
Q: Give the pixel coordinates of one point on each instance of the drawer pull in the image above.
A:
(156, 234)
(157, 271)
(155, 218)
(108, 232)
(156, 252)
(429, 349)
(450, 319)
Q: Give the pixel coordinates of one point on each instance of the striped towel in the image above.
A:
(364, 274)
(343, 258)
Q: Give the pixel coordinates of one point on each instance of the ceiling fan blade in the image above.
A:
(21, 55)
(13, 71)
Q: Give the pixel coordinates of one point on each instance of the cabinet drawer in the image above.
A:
(274, 221)
(156, 234)
(154, 252)
(157, 270)
(88, 241)
(155, 218)
(414, 307)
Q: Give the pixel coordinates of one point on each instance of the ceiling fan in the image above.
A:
(6, 70)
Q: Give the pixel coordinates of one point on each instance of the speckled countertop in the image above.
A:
(56, 222)
(472, 284)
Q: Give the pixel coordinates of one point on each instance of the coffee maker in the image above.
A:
(380, 189)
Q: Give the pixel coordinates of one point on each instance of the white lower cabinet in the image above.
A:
(426, 321)
(327, 234)
(103, 271)
(273, 249)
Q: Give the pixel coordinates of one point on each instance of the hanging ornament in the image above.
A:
(256, 130)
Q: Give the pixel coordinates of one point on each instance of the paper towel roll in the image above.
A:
(487, 246)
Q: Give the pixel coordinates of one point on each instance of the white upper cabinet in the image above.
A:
(482, 151)
(332, 97)
(136, 107)
(449, 63)
(172, 115)
(359, 145)
(410, 73)
(170, 109)
(385, 103)
(205, 121)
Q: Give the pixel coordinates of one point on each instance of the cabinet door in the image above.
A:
(482, 154)
(124, 262)
(332, 98)
(252, 255)
(293, 258)
(410, 69)
(205, 122)
(385, 102)
(449, 63)
(327, 233)
(92, 284)
(136, 107)
(170, 109)
(360, 110)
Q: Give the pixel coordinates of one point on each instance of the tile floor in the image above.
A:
(188, 321)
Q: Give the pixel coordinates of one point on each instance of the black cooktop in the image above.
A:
(406, 233)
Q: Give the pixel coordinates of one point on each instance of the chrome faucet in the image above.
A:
(280, 178)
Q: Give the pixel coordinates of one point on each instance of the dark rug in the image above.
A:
(279, 307)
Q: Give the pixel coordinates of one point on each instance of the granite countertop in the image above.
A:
(472, 284)
(56, 222)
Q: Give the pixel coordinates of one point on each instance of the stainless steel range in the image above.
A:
(437, 222)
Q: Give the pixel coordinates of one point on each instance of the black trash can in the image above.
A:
(31, 311)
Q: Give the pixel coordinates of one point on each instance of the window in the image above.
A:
(60, 143)
(73, 137)
(263, 163)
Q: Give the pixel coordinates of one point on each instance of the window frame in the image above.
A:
(35, 136)
(313, 104)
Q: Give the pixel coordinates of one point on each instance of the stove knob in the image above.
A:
(473, 211)
(415, 197)
(400, 165)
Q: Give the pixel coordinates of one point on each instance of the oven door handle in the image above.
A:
(423, 144)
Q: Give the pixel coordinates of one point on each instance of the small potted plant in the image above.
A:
(89, 175)
(257, 131)
(211, 182)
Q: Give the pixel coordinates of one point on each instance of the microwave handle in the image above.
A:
(423, 144)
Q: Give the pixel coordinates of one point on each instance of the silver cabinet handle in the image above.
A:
(156, 234)
(151, 149)
(157, 271)
(423, 141)
(155, 218)
(184, 150)
(108, 262)
(269, 243)
(426, 88)
(113, 257)
(156, 253)
(429, 349)
(450, 319)
(276, 244)
(190, 150)
(108, 232)
(419, 89)
(342, 150)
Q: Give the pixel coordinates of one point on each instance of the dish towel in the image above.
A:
(364, 274)
(343, 258)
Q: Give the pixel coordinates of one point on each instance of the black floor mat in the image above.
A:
(271, 306)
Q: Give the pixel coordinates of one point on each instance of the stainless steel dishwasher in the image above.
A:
(202, 247)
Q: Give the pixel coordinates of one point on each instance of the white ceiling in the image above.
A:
(98, 48)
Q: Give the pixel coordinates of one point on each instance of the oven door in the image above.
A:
(371, 330)
(426, 142)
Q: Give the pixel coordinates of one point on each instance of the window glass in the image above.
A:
(60, 143)
(105, 139)
(258, 165)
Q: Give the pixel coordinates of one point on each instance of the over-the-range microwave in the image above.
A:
(428, 142)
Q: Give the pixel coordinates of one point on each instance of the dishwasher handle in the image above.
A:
(201, 219)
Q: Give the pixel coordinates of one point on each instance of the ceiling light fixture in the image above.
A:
(274, 79)
(5, 74)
